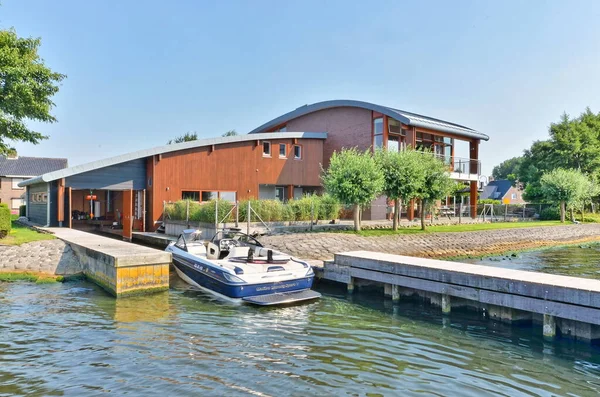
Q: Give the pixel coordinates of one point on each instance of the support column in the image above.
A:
(473, 200)
(350, 286)
(290, 191)
(61, 202)
(395, 293)
(387, 290)
(446, 304)
(69, 193)
(474, 169)
(549, 326)
(127, 214)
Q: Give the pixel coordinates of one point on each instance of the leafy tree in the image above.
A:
(26, 88)
(565, 186)
(187, 137)
(403, 176)
(354, 178)
(537, 160)
(230, 133)
(437, 183)
(508, 169)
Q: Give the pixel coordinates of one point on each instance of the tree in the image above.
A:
(26, 88)
(403, 176)
(508, 169)
(354, 178)
(437, 183)
(230, 133)
(187, 137)
(565, 186)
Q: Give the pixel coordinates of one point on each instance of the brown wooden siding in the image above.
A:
(238, 167)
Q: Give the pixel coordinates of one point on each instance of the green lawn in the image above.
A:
(21, 234)
(457, 228)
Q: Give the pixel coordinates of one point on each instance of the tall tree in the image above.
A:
(564, 186)
(354, 178)
(230, 133)
(403, 175)
(508, 169)
(437, 183)
(187, 137)
(26, 88)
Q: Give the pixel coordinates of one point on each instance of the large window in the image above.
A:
(15, 183)
(396, 136)
(206, 196)
(266, 148)
(189, 195)
(378, 133)
(297, 152)
(439, 145)
(229, 196)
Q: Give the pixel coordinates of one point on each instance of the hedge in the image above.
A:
(323, 207)
(4, 220)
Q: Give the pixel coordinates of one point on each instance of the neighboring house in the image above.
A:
(15, 169)
(366, 125)
(270, 162)
(504, 191)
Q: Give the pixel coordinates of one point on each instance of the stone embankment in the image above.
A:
(322, 246)
(52, 257)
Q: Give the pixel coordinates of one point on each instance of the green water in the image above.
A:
(73, 339)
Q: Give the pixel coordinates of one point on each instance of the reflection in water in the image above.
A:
(74, 339)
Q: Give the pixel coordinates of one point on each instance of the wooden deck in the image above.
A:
(510, 294)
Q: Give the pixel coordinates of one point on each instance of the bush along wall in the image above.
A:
(322, 207)
(4, 220)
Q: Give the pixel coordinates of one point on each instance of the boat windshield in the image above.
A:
(192, 236)
(243, 238)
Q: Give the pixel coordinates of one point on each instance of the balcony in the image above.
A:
(461, 169)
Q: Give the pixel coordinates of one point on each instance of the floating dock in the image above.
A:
(119, 267)
(568, 306)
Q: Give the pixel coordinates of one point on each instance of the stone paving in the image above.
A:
(322, 246)
(48, 257)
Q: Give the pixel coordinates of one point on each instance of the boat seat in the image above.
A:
(196, 249)
(238, 251)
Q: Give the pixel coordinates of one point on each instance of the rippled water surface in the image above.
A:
(73, 339)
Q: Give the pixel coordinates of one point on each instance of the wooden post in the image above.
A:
(474, 169)
(237, 213)
(248, 218)
(144, 210)
(69, 213)
(549, 326)
(446, 304)
(127, 214)
(395, 293)
(61, 202)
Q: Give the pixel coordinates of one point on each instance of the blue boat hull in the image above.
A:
(212, 278)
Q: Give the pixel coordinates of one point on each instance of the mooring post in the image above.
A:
(549, 326)
(446, 304)
(395, 293)
(350, 285)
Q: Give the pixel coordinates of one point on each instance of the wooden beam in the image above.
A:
(127, 214)
(61, 202)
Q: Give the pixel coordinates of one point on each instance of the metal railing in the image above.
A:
(460, 165)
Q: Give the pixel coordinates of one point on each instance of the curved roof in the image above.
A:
(94, 165)
(405, 117)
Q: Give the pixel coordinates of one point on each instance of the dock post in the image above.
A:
(549, 326)
(350, 286)
(387, 289)
(446, 304)
(395, 293)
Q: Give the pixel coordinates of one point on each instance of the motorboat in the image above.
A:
(234, 265)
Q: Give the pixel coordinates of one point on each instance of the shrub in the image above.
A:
(550, 214)
(489, 201)
(4, 220)
(23, 210)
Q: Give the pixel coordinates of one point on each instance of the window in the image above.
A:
(297, 152)
(280, 193)
(513, 196)
(282, 150)
(378, 133)
(206, 196)
(15, 183)
(181, 243)
(281, 129)
(267, 149)
(396, 136)
(193, 196)
(16, 203)
(229, 196)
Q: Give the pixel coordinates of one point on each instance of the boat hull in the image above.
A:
(208, 277)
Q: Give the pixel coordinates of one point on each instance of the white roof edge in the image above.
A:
(94, 165)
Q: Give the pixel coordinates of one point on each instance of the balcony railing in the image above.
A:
(459, 165)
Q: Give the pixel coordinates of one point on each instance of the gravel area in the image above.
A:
(322, 246)
(47, 257)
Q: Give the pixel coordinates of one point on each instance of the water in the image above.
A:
(73, 339)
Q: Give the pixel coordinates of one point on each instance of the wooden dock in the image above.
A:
(119, 267)
(568, 305)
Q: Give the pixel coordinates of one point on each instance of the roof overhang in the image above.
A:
(407, 118)
(94, 165)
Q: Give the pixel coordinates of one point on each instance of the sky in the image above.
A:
(142, 72)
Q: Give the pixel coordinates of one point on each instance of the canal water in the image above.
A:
(74, 339)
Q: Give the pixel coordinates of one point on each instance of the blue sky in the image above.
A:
(140, 73)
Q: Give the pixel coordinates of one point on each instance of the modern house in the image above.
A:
(504, 191)
(131, 189)
(366, 125)
(15, 169)
(269, 162)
